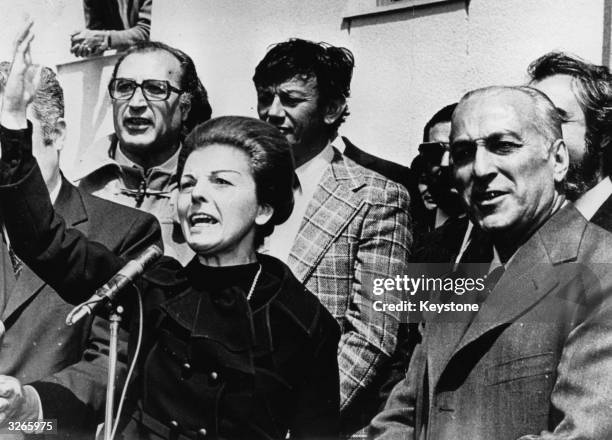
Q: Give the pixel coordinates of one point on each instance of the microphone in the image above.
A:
(108, 292)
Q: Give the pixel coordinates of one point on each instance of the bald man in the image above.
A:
(534, 360)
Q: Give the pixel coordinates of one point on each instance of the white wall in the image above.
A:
(409, 63)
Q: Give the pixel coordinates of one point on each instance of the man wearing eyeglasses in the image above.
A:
(534, 361)
(157, 98)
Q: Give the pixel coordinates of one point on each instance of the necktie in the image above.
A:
(15, 262)
(490, 281)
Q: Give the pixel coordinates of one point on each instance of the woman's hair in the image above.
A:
(270, 158)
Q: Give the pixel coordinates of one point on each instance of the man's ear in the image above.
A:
(334, 110)
(560, 157)
(59, 134)
(185, 104)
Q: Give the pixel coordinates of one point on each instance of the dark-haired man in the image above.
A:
(582, 92)
(434, 151)
(157, 99)
(349, 225)
(64, 366)
(534, 360)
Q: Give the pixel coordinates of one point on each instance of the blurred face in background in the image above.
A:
(584, 172)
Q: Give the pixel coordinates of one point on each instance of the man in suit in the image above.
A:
(583, 94)
(60, 363)
(349, 225)
(534, 361)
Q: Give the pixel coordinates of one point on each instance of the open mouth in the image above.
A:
(202, 219)
(137, 123)
(488, 196)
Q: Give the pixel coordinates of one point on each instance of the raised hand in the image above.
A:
(22, 81)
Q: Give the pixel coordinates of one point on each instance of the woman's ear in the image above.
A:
(264, 214)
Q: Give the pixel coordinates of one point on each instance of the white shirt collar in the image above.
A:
(591, 201)
(54, 192)
(310, 173)
(281, 241)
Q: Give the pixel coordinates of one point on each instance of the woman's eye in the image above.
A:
(187, 185)
(220, 181)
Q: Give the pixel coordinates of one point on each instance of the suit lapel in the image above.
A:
(70, 206)
(528, 278)
(331, 209)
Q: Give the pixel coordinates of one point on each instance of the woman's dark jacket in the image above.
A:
(212, 365)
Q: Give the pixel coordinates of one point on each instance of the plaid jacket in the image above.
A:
(355, 229)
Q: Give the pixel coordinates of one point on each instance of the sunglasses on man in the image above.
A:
(152, 89)
(433, 152)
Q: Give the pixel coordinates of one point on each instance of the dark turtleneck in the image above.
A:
(219, 278)
(222, 277)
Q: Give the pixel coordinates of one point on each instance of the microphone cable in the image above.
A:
(132, 364)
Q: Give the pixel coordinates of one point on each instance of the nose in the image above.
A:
(137, 101)
(445, 161)
(484, 162)
(276, 111)
(199, 193)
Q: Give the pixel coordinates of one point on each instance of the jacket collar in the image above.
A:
(282, 289)
(533, 273)
(225, 317)
(99, 155)
(336, 193)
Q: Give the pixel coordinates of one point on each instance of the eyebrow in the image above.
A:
(191, 175)
(284, 91)
(493, 137)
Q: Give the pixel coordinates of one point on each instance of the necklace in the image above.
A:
(252, 289)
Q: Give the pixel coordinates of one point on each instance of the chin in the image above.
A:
(141, 140)
(497, 222)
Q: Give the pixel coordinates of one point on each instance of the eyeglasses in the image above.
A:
(152, 89)
(433, 151)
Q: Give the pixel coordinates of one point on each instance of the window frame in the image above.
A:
(360, 8)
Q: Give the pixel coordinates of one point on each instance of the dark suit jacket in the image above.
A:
(536, 360)
(64, 362)
(390, 170)
(441, 247)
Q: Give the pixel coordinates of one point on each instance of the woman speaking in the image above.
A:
(234, 346)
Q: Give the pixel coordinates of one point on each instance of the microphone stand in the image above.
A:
(115, 320)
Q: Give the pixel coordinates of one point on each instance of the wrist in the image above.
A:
(106, 41)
